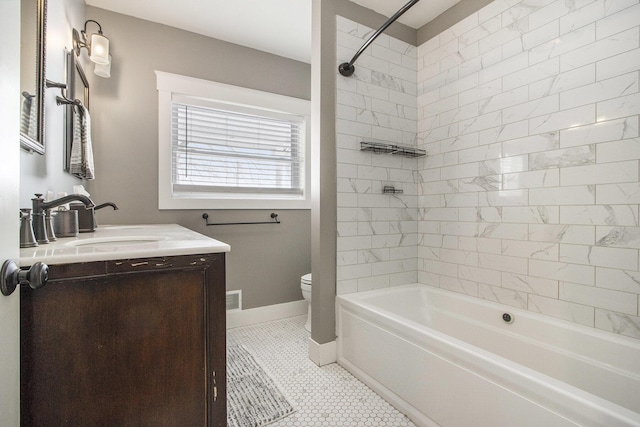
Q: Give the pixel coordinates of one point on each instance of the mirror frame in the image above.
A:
(26, 142)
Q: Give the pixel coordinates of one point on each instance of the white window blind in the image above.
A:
(235, 152)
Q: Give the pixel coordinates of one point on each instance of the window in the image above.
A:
(225, 147)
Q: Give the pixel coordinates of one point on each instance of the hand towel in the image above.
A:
(81, 161)
(28, 115)
(33, 118)
(24, 113)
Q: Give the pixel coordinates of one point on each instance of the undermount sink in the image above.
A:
(116, 241)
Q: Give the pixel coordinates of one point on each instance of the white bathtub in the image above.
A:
(450, 360)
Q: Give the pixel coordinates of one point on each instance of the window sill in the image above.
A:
(228, 203)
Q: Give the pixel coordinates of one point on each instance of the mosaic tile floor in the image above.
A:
(322, 396)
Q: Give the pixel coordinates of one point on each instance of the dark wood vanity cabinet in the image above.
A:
(138, 342)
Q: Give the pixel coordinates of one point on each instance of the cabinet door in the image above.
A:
(124, 349)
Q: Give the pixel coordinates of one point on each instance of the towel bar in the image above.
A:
(273, 215)
(62, 100)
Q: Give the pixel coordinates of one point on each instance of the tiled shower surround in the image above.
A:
(529, 195)
(377, 233)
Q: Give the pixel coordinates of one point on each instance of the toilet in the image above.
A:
(305, 285)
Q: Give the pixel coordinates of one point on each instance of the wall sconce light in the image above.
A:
(98, 47)
(103, 70)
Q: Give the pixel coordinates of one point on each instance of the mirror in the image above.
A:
(32, 74)
(77, 88)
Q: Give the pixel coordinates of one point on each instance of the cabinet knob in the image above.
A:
(11, 276)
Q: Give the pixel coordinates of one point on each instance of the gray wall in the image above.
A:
(266, 261)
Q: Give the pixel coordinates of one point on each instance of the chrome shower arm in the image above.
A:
(347, 68)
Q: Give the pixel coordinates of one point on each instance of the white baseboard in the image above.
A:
(322, 354)
(267, 313)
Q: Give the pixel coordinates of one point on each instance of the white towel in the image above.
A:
(28, 119)
(33, 118)
(81, 161)
(24, 113)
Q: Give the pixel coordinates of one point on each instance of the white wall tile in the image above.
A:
(461, 286)
(532, 214)
(551, 12)
(481, 275)
(537, 107)
(565, 157)
(601, 49)
(503, 263)
(618, 323)
(600, 174)
(618, 279)
(622, 215)
(621, 21)
(503, 68)
(509, 297)
(530, 285)
(499, 99)
(602, 90)
(530, 193)
(441, 268)
(567, 42)
(503, 231)
(533, 73)
(524, 249)
(626, 259)
(621, 237)
(577, 313)
(562, 233)
(618, 150)
(619, 107)
(600, 132)
(618, 194)
(562, 271)
(620, 302)
(533, 179)
(576, 195)
(493, 10)
(619, 64)
(504, 132)
(503, 35)
(506, 164)
(531, 144)
(564, 119)
(563, 81)
(592, 12)
(372, 283)
(504, 198)
(540, 35)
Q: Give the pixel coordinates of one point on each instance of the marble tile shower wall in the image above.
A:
(377, 233)
(529, 195)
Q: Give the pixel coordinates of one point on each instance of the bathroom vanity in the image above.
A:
(129, 330)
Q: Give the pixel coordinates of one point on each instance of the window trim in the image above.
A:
(169, 85)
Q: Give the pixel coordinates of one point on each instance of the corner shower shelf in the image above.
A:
(399, 150)
(390, 189)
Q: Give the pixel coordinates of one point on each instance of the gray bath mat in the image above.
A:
(253, 399)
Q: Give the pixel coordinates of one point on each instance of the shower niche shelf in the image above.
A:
(398, 150)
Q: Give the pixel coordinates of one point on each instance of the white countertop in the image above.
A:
(111, 242)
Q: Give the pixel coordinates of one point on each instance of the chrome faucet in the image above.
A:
(40, 206)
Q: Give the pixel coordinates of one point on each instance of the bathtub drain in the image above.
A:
(507, 317)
